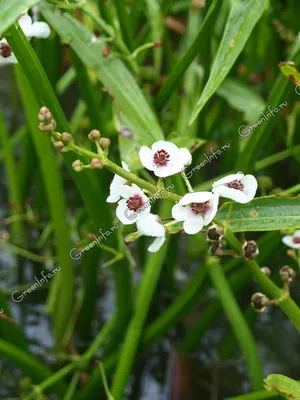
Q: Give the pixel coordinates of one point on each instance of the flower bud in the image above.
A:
(96, 163)
(104, 142)
(47, 122)
(77, 166)
(66, 137)
(259, 302)
(287, 274)
(250, 250)
(106, 51)
(4, 235)
(46, 127)
(214, 233)
(94, 134)
(58, 145)
(216, 249)
(266, 271)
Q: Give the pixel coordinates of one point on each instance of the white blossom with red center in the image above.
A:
(116, 186)
(292, 241)
(150, 226)
(238, 187)
(31, 29)
(196, 210)
(165, 158)
(134, 205)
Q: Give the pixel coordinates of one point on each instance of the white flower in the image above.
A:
(292, 241)
(31, 29)
(115, 187)
(165, 158)
(134, 205)
(196, 210)
(238, 187)
(150, 226)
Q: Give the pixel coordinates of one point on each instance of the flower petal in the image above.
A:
(167, 170)
(125, 166)
(196, 197)
(146, 157)
(288, 241)
(233, 194)
(193, 225)
(179, 212)
(250, 186)
(8, 60)
(164, 145)
(210, 214)
(185, 156)
(228, 179)
(39, 30)
(113, 198)
(156, 245)
(150, 226)
(126, 216)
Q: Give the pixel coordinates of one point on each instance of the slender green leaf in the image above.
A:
(263, 214)
(182, 65)
(242, 19)
(11, 10)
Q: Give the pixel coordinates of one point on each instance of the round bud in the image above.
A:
(259, 302)
(58, 145)
(214, 233)
(266, 271)
(250, 250)
(41, 117)
(106, 51)
(287, 274)
(216, 249)
(66, 137)
(96, 163)
(94, 134)
(48, 115)
(44, 110)
(77, 166)
(104, 142)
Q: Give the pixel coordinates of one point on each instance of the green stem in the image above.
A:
(284, 301)
(187, 182)
(72, 387)
(238, 323)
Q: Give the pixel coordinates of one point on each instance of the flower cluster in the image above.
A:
(195, 209)
(31, 29)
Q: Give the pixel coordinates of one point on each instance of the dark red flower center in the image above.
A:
(161, 157)
(5, 50)
(236, 185)
(199, 208)
(134, 203)
(296, 240)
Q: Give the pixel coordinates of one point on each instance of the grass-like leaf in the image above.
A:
(11, 10)
(242, 19)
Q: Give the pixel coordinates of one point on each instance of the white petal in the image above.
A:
(296, 234)
(288, 241)
(156, 245)
(3, 41)
(169, 147)
(185, 156)
(233, 194)
(210, 214)
(167, 170)
(228, 179)
(193, 225)
(127, 191)
(146, 157)
(150, 226)
(8, 60)
(113, 198)
(39, 30)
(250, 186)
(25, 23)
(196, 197)
(126, 216)
(125, 166)
(179, 212)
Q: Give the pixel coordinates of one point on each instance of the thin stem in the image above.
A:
(187, 182)
(25, 253)
(72, 387)
(106, 388)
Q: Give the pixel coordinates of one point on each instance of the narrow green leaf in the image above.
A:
(11, 10)
(284, 385)
(264, 214)
(243, 98)
(182, 65)
(242, 19)
(290, 71)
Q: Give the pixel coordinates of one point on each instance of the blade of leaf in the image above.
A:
(242, 19)
(263, 214)
(182, 65)
(11, 10)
